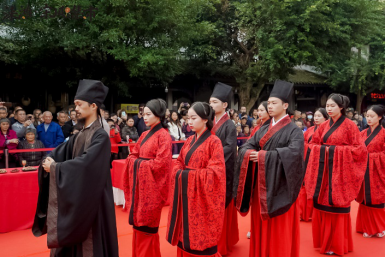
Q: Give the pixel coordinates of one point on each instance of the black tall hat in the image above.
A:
(91, 91)
(222, 92)
(282, 90)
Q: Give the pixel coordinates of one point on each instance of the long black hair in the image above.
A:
(379, 110)
(177, 122)
(341, 100)
(264, 104)
(323, 112)
(158, 107)
(204, 111)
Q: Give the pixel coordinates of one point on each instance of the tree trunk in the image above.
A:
(248, 94)
(360, 97)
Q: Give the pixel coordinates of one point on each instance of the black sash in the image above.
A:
(196, 144)
(333, 127)
(151, 133)
(371, 135)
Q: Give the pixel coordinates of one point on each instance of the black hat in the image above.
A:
(91, 91)
(282, 90)
(222, 92)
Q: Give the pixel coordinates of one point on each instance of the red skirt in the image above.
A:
(305, 206)
(332, 232)
(278, 236)
(370, 220)
(182, 253)
(230, 231)
(145, 244)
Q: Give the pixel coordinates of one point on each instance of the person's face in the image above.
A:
(262, 113)
(299, 124)
(3, 113)
(47, 118)
(41, 118)
(73, 116)
(254, 123)
(356, 116)
(243, 121)
(84, 109)
(115, 118)
(332, 108)
(303, 115)
(276, 106)
(37, 113)
(318, 118)
(21, 116)
(111, 124)
(149, 118)
(30, 137)
(360, 118)
(243, 110)
(217, 105)
(185, 118)
(195, 122)
(246, 129)
(62, 118)
(236, 117)
(349, 115)
(4, 126)
(174, 116)
(106, 115)
(130, 122)
(372, 118)
(239, 129)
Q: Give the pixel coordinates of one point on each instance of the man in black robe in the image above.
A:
(225, 129)
(75, 204)
(270, 171)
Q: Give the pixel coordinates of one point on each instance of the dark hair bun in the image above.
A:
(379, 110)
(158, 107)
(204, 111)
(341, 100)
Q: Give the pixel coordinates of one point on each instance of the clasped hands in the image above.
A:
(254, 156)
(47, 164)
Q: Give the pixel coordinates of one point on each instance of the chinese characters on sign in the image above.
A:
(11, 13)
(378, 95)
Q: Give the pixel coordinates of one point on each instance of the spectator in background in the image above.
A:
(301, 126)
(236, 119)
(8, 140)
(130, 131)
(21, 124)
(139, 121)
(49, 132)
(41, 119)
(297, 117)
(104, 113)
(254, 115)
(3, 112)
(183, 106)
(115, 139)
(117, 120)
(239, 134)
(175, 129)
(309, 121)
(349, 114)
(243, 111)
(66, 128)
(36, 115)
(30, 142)
(246, 132)
(244, 120)
(254, 124)
(70, 124)
(303, 116)
(357, 123)
(12, 116)
(167, 115)
(185, 127)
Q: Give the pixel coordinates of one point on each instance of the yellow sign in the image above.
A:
(130, 108)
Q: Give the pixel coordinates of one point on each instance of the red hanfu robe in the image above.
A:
(259, 125)
(305, 206)
(271, 187)
(334, 175)
(227, 133)
(198, 188)
(146, 185)
(371, 213)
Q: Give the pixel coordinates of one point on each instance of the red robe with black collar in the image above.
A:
(146, 186)
(371, 212)
(198, 188)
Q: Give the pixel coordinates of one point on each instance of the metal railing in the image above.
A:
(7, 152)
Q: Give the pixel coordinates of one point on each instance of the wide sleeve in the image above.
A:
(377, 175)
(128, 168)
(280, 175)
(76, 190)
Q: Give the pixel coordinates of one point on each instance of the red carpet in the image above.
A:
(23, 243)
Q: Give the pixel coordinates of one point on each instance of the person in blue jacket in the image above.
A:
(50, 133)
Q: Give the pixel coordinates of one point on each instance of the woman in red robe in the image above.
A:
(263, 118)
(334, 175)
(198, 188)
(371, 212)
(305, 206)
(147, 179)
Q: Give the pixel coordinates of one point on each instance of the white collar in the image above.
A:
(273, 123)
(89, 125)
(219, 118)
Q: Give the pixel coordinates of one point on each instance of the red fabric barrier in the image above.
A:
(18, 199)
(117, 173)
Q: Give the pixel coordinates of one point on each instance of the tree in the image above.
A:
(121, 42)
(260, 41)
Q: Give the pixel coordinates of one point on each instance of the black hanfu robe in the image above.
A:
(75, 204)
(271, 187)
